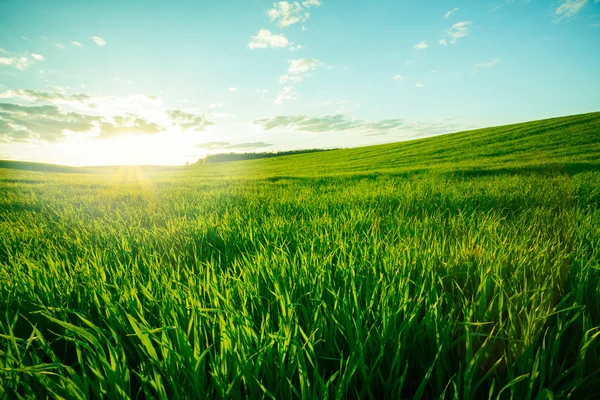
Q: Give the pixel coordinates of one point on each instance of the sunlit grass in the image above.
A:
(466, 279)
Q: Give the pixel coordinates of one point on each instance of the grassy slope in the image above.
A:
(462, 266)
(566, 142)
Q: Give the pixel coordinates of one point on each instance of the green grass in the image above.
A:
(465, 266)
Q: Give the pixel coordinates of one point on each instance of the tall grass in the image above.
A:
(461, 281)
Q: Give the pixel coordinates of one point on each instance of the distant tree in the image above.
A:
(227, 157)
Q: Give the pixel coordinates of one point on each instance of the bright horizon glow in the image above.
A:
(124, 84)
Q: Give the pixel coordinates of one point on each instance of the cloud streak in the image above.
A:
(421, 46)
(458, 31)
(449, 13)
(98, 40)
(569, 8)
(47, 96)
(342, 123)
(488, 64)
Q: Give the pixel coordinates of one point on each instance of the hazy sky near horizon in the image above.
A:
(148, 82)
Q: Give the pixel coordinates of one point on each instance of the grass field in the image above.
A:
(465, 266)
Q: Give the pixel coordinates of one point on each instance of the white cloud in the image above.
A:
(298, 69)
(19, 61)
(419, 85)
(285, 14)
(398, 77)
(98, 40)
(290, 78)
(75, 44)
(232, 89)
(488, 64)
(286, 94)
(570, 8)
(443, 42)
(421, 46)
(58, 46)
(457, 31)
(295, 47)
(264, 39)
(449, 13)
(189, 121)
(303, 65)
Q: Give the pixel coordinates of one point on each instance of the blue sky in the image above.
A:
(126, 82)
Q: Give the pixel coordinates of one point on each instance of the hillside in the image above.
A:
(566, 143)
(39, 167)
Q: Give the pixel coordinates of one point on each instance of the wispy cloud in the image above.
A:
(297, 69)
(570, 8)
(95, 116)
(325, 123)
(290, 78)
(286, 94)
(285, 13)
(189, 121)
(488, 64)
(44, 123)
(18, 61)
(59, 46)
(98, 40)
(449, 13)
(233, 89)
(457, 31)
(48, 123)
(265, 39)
(341, 122)
(422, 45)
(294, 47)
(419, 85)
(75, 44)
(398, 77)
(303, 65)
(54, 97)
(127, 125)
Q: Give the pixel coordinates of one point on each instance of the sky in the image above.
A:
(155, 82)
